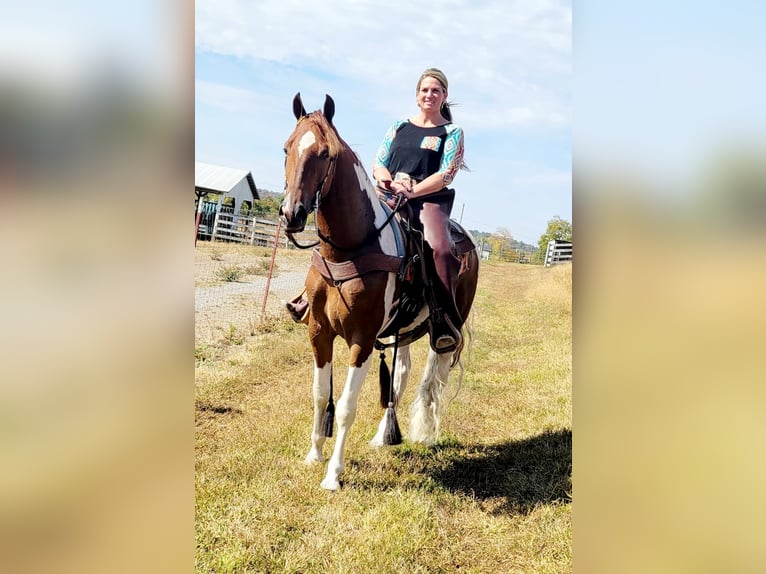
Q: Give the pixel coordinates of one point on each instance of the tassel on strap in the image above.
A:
(329, 415)
(385, 381)
(391, 434)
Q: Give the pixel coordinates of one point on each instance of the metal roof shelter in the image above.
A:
(224, 181)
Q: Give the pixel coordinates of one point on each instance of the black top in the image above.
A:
(417, 151)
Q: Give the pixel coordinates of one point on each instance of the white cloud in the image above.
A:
(223, 97)
(508, 62)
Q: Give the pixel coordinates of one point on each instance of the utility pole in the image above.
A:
(462, 208)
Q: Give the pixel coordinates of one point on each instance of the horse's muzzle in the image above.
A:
(294, 220)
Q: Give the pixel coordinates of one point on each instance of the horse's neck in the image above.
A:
(346, 215)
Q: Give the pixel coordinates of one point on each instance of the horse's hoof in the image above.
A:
(424, 440)
(313, 458)
(330, 484)
(377, 441)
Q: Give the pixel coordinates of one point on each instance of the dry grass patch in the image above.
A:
(492, 496)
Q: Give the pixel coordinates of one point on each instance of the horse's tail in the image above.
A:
(467, 332)
(457, 359)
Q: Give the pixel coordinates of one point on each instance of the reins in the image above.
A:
(371, 236)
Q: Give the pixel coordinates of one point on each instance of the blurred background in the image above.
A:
(96, 296)
(96, 291)
(670, 226)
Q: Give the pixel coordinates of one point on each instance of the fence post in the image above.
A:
(215, 226)
(198, 218)
(252, 234)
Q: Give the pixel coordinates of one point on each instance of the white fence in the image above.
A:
(247, 229)
(558, 252)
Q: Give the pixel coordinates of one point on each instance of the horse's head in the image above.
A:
(310, 154)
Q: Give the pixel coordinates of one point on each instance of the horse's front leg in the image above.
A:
(401, 376)
(345, 413)
(321, 392)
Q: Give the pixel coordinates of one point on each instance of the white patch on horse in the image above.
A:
(307, 141)
(387, 240)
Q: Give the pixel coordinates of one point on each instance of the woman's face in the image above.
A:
(431, 95)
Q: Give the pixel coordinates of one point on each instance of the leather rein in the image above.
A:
(371, 236)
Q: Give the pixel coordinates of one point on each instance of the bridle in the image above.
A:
(369, 238)
(317, 200)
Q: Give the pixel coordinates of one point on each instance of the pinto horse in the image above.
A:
(354, 284)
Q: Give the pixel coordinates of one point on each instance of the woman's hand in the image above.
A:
(404, 187)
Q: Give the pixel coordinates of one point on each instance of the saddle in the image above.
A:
(413, 278)
(409, 264)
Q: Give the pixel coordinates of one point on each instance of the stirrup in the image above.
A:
(298, 309)
(445, 342)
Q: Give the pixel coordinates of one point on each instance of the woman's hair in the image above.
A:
(445, 110)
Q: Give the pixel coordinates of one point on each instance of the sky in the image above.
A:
(509, 66)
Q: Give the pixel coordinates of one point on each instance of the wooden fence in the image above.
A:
(247, 229)
(558, 252)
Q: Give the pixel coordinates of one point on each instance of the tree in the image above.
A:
(558, 229)
(267, 208)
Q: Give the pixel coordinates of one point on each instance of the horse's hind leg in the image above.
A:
(401, 376)
(425, 411)
(321, 393)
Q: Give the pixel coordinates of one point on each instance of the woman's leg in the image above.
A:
(436, 232)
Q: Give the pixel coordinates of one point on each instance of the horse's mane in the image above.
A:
(335, 145)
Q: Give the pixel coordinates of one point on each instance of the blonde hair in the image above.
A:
(435, 73)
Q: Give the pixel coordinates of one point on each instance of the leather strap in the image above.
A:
(339, 272)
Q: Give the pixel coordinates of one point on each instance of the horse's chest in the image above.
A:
(357, 305)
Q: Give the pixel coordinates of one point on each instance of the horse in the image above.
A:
(353, 286)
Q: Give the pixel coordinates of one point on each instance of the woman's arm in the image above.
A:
(380, 171)
(452, 160)
(382, 176)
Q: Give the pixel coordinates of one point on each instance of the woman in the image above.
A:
(424, 153)
(418, 158)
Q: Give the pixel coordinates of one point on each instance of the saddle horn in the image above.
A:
(298, 110)
(329, 107)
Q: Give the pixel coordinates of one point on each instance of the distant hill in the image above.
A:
(266, 194)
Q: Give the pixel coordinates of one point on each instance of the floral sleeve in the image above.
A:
(452, 159)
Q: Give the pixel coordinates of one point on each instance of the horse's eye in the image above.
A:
(324, 154)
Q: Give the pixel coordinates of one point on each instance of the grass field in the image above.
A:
(494, 495)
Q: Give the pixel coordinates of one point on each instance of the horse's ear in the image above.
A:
(329, 107)
(298, 110)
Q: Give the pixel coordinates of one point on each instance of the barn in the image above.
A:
(234, 188)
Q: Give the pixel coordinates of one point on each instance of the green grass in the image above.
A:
(494, 495)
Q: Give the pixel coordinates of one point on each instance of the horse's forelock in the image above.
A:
(326, 130)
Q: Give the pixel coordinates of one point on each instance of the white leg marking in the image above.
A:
(321, 391)
(345, 413)
(401, 376)
(425, 411)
